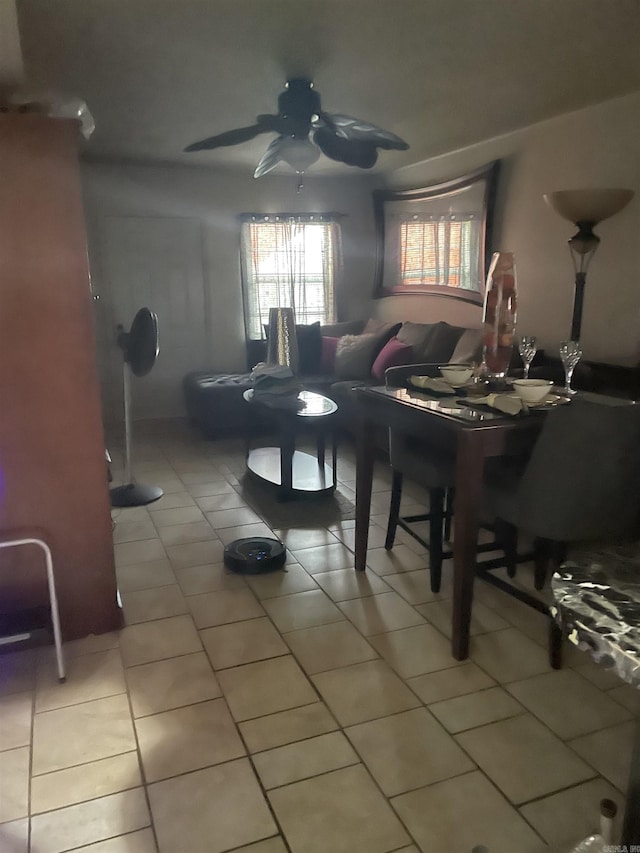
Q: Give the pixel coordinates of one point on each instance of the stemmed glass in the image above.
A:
(527, 348)
(570, 353)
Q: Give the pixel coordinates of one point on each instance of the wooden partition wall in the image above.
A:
(53, 478)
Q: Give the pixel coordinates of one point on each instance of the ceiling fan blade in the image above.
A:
(354, 128)
(284, 124)
(230, 137)
(270, 158)
(353, 152)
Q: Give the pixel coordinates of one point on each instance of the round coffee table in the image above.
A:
(295, 473)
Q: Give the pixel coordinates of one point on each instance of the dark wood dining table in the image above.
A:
(474, 435)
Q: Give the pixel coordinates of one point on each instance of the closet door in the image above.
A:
(53, 474)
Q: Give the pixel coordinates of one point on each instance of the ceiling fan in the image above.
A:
(304, 130)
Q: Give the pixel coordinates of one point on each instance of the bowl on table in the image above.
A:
(456, 374)
(532, 390)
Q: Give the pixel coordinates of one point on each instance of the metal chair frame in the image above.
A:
(53, 599)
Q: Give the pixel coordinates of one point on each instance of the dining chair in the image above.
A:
(434, 470)
(580, 483)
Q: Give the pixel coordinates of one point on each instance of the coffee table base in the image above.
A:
(309, 477)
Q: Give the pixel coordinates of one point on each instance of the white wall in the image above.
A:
(216, 198)
(595, 147)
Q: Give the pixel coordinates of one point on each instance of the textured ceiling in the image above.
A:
(443, 74)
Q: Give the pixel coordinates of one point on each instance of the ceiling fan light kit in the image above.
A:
(299, 153)
(305, 131)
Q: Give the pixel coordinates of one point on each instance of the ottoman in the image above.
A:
(214, 401)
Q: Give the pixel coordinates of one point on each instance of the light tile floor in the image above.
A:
(310, 710)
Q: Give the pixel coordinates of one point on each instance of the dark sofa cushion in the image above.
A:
(381, 328)
(383, 332)
(417, 336)
(469, 347)
(309, 348)
(443, 341)
(431, 342)
(337, 330)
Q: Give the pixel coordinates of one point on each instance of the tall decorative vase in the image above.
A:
(282, 342)
(499, 315)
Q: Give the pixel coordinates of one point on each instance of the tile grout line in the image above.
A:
(320, 699)
(31, 746)
(138, 752)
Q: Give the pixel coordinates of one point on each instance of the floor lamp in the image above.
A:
(585, 208)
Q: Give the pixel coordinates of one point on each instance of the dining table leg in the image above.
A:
(364, 482)
(469, 471)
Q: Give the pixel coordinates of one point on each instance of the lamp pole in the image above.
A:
(576, 321)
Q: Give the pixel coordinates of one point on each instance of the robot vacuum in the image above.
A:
(255, 555)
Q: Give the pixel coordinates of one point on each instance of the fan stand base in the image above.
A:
(134, 494)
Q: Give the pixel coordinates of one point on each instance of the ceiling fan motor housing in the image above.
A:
(299, 101)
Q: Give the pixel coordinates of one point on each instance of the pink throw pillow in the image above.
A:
(392, 354)
(328, 357)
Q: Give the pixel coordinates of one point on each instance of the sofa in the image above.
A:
(334, 359)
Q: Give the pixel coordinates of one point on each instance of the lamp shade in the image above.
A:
(588, 205)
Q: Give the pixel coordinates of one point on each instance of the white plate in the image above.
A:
(549, 400)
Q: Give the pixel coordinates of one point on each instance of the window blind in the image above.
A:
(436, 253)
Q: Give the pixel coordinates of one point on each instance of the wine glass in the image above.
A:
(527, 348)
(570, 353)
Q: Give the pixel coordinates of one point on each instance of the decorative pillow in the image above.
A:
(383, 332)
(328, 358)
(375, 326)
(417, 336)
(442, 343)
(354, 356)
(337, 330)
(309, 348)
(392, 354)
(469, 347)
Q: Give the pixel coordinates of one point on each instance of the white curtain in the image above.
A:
(289, 262)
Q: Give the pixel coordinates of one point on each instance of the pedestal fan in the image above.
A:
(139, 350)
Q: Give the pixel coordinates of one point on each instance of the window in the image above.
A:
(436, 253)
(289, 262)
(437, 239)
